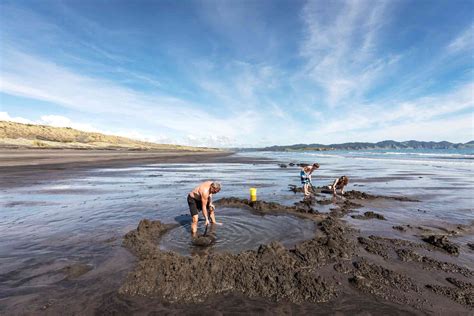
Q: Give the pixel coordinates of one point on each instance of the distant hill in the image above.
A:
(17, 135)
(386, 144)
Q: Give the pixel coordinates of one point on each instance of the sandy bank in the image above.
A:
(326, 269)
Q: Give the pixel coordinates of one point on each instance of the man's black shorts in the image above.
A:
(196, 205)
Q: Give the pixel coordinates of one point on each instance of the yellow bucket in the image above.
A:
(253, 194)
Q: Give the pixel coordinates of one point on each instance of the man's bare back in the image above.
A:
(201, 191)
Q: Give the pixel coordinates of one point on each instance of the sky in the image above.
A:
(242, 73)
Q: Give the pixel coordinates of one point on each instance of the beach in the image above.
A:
(70, 244)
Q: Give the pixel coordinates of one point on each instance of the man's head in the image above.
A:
(215, 187)
(315, 166)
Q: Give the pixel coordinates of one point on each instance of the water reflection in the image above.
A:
(240, 230)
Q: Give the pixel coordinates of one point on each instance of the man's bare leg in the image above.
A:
(194, 225)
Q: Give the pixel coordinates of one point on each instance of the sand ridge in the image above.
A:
(320, 270)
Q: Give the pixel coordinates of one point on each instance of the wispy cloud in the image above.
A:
(259, 74)
(463, 42)
(390, 117)
(340, 46)
(32, 77)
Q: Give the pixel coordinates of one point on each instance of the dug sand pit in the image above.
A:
(272, 271)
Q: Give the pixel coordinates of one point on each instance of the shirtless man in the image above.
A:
(200, 198)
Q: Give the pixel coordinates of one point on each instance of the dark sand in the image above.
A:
(383, 275)
(337, 271)
(20, 167)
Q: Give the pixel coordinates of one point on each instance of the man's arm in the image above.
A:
(204, 200)
(211, 205)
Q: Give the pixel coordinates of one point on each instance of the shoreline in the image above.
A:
(31, 158)
(20, 167)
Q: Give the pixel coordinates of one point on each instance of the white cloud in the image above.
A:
(340, 47)
(457, 129)
(31, 77)
(464, 41)
(62, 121)
(4, 116)
(377, 121)
(50, 120)
(210, 141)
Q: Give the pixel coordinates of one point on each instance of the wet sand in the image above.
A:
(19, 167)
(338, 270)
(389, 275)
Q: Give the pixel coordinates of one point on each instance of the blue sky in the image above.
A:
(242, 73)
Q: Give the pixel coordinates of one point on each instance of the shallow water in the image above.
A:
(240, 230)
(66, 219)
(443, 180)
(59, 218)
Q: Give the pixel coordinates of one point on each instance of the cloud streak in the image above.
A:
(340, 46)
(34, 78)
(247, 81)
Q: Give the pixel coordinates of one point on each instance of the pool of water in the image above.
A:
(240, 230)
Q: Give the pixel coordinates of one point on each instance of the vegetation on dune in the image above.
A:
(18, 135)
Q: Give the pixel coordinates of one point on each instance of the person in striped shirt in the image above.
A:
(305, 176)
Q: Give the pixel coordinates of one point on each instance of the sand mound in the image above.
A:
(462, 292)
(263, 207)
(272, 271)
(332, 264)
(443, 243)
(369, 215)
(142, 241)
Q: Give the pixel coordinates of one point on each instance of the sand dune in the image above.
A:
(17, 135)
